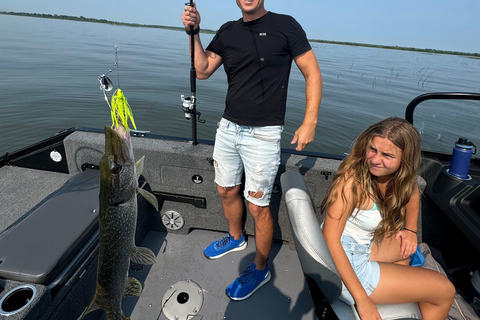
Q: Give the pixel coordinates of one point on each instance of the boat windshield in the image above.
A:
(442, 122)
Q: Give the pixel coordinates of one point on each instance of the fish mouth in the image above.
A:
(120, 129)
(117, 142)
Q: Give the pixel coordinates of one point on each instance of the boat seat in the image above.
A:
(317, 263)
(38, 248)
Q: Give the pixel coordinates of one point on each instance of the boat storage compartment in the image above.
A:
(55, 235)
(460, 201)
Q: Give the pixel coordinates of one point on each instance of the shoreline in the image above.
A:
(209, 31)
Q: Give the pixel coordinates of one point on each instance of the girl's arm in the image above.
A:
(408, 234)
(333, 227)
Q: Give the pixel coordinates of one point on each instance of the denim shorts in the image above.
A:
(255, 150)
(368, 272)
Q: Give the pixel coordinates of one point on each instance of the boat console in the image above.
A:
(458, 199)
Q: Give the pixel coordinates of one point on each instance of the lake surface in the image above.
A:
(49, 81)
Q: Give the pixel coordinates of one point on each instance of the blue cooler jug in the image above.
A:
(461, 156)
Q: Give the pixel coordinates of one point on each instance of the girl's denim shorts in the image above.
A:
(368, 272)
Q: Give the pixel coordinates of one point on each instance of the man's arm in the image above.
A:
(206, 62)
(308, 65)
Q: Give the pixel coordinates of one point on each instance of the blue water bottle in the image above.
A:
(461, 156)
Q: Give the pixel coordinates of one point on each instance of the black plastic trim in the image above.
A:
(37, 156)
(323, 309)
(198, 202)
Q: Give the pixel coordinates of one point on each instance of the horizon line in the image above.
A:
(210, 31)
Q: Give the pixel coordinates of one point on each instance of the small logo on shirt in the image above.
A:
(262, 34)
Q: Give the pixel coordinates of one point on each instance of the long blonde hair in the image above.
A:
(392, 204)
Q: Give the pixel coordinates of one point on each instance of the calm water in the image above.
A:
(49, 71)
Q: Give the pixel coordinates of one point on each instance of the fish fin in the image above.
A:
(92, 307)
(150, 197)
(139, 166)
(147, 195)
(142, 255)
(133, 288)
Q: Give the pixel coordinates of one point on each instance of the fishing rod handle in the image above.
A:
(193, 83)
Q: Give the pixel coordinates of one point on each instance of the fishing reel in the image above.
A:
(188, 107)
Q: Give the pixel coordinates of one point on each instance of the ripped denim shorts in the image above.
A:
(253, 149)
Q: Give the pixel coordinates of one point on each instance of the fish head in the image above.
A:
(117, 166)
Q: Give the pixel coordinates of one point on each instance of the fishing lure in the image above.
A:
(119, 107)
(121, 111)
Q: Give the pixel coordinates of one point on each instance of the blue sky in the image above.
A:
(437, 24)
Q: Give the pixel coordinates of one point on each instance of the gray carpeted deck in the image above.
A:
(22, 189)
(180, 257)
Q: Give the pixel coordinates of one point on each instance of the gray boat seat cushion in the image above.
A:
(40, 246)
(314, 255)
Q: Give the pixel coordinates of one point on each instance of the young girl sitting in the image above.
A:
(371, 224)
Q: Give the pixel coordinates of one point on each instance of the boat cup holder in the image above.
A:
(17, 299)
(446, 182)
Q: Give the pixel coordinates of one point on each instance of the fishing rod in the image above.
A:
(189, 104)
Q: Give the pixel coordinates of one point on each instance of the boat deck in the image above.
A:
(180, 257)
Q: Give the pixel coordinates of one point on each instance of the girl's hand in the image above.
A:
(368, 310)
(409, 242)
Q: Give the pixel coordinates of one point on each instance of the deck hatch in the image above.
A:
(182, 301)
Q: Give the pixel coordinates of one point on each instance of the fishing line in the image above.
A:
(116, 48)
(115, 45)
(105, 82)
(116, 66)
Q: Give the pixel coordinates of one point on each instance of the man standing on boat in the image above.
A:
(257, 52)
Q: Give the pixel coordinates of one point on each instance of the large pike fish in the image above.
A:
(117, 222)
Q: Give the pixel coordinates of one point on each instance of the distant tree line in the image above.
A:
(84, 19)
(138, 25)
(400, 48)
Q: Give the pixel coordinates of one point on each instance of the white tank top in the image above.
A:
(362, 223)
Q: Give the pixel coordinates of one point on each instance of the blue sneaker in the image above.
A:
(248, 282)
(223, 246)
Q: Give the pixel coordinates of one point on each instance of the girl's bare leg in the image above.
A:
(400, 283)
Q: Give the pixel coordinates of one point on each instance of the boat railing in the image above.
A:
(437, 95)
